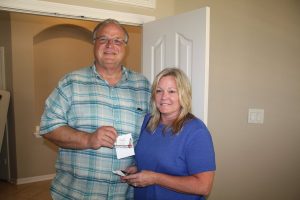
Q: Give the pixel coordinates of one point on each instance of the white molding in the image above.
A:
(35, 179)
(2, 69)
(206, 84)
(142, 3)
(72, 11)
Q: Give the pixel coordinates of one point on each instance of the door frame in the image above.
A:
(2, 69)
(5, 135)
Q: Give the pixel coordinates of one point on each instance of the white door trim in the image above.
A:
(2, 69)
(72, 11)
(142, 3)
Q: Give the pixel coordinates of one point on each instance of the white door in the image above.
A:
(181, 41)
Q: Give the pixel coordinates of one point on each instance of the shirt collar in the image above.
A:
(124, 73)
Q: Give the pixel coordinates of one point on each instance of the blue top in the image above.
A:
(184, 154)
(84, 101)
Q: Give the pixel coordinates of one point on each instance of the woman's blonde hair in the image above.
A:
(185, 99)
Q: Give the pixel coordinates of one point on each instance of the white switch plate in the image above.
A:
(256, 116)
(37, 132)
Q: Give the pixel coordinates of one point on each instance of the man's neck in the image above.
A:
(111, 74)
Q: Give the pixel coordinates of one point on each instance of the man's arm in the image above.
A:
(69, 138)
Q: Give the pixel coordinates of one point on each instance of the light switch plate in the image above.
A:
(256, 116)
(37, 132)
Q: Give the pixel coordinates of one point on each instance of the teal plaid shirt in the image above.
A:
(84, 101)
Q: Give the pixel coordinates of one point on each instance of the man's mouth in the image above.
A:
(109, 53)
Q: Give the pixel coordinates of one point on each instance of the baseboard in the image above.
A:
(35, 179)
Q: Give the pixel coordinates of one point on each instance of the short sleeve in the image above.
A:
(200, 155)
(56, 108)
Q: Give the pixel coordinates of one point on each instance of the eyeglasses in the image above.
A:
(114, 41)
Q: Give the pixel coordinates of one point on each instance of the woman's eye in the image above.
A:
(158, 91)
(172, 91)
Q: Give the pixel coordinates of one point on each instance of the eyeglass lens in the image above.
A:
(114, 41)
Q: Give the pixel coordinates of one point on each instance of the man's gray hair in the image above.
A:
(110, 21)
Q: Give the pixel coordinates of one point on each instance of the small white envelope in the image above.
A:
(124, 146)
(119, 172)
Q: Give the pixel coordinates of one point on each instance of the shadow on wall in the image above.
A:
(58, 50)
(64, 31)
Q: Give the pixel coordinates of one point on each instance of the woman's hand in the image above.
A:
(141, 179)
(131, 169)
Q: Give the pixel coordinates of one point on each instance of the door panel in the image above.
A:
(180, 41)
(157, 56)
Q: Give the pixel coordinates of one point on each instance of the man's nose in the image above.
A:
(109, 42)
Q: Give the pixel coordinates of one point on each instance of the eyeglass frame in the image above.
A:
(104, 40)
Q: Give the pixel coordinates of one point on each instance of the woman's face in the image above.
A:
(167, 98)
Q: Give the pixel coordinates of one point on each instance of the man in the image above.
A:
(86, 113)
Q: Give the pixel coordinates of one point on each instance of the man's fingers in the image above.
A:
(110, 130)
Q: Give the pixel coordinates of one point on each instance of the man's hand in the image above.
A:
(104, 136)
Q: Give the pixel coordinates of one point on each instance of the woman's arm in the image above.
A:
(199, 184)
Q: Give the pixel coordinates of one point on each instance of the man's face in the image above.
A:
(109, 47)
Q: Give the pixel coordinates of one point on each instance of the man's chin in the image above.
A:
(110, 64)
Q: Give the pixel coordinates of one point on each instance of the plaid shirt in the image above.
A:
(84, 101)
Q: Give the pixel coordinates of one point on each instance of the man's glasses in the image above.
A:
(114, 41)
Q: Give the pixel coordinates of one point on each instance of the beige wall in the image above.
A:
(35, 157)
(254, 63)
(29, 82)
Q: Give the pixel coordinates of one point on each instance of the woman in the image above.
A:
(174, 155)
